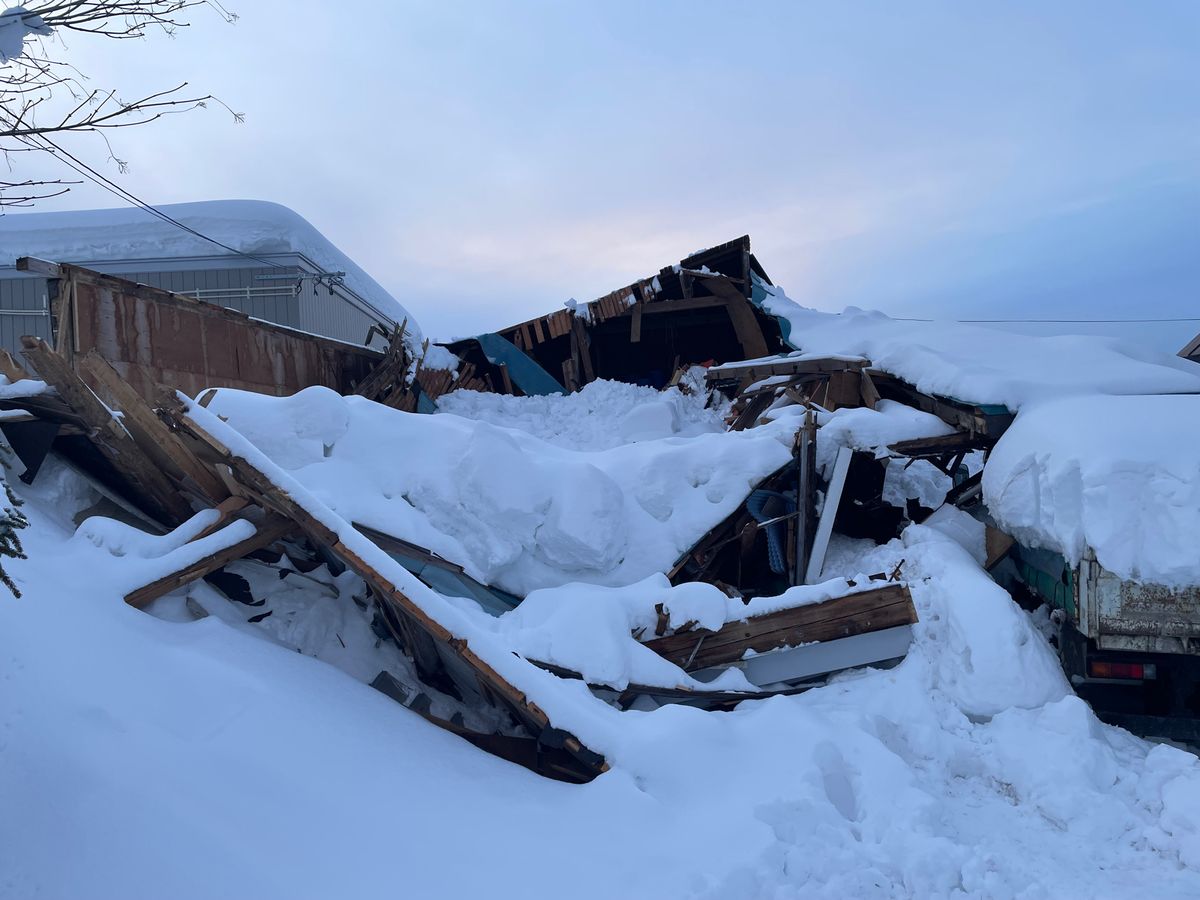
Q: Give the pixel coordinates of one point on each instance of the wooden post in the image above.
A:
(806, 452)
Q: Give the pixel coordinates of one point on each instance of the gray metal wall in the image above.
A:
(278, 306)
(19, 294)
(341, 315)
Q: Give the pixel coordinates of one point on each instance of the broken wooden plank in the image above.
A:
(870, 394)
(833, 499)
(10, 368)
(151, 433)
(108, 435)
(277, 499)
(990, 421)
(267, 533)
(757, 369)
(867, 611)
(958, 442)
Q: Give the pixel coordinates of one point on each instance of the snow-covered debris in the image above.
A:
(252, 227)
(968, 770)
(516, 511)
(983, 365)
(1118, 475)
(600, 416)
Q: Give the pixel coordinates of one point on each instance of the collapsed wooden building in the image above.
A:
(125, 359)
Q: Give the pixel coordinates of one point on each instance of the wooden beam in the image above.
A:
(870, 394)
(260, 484)
(271, 530)
(758, 370)
(151, 433)
(958, 442)
(991, 422)
(741, 314)
(870, 610)
(36, 266)
(108, 435)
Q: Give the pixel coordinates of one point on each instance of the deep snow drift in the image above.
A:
(161, 755)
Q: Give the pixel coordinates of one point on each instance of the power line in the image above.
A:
(121, 193)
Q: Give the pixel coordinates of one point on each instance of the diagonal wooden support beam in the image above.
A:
(271, 530)
(258, 484)
(151, 433)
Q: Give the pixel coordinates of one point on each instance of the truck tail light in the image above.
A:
(1123, 671)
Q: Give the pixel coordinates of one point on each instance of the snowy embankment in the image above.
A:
(192, 759)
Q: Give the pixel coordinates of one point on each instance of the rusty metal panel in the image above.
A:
(1151, 618)
(154, 338)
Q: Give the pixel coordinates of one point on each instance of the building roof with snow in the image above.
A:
(265, 243)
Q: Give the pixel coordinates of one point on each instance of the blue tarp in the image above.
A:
(525, 373)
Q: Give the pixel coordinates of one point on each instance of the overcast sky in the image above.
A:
(486, 161)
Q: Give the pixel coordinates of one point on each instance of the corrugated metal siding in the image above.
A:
(333, 316)
(18, 294)
(279, 306)
(314, 309)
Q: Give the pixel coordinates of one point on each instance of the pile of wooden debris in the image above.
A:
(116, 406)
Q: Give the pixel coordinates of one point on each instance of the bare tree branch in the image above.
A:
(41, 95)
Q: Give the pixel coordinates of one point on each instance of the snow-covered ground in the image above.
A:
(190, 755)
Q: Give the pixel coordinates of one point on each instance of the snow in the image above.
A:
(984, 365)
(252, 227)
(198, 757)
(514, 510)
(601, 416)
(15, 26)
(1118, 475)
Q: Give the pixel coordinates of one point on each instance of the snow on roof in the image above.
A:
(984, 365)
(1118, 475)
(254, 227)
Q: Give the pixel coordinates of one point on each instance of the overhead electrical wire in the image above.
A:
(82, 168)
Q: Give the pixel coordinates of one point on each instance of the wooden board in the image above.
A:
(267, 533)
(153, 338)
(870, 610)
(260, 486)
(756, 371)
(147, 485)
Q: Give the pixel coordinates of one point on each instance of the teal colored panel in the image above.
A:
(758, 296)
(522, 369)
(425, 404)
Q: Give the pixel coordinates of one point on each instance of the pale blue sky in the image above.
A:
(486, 161)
